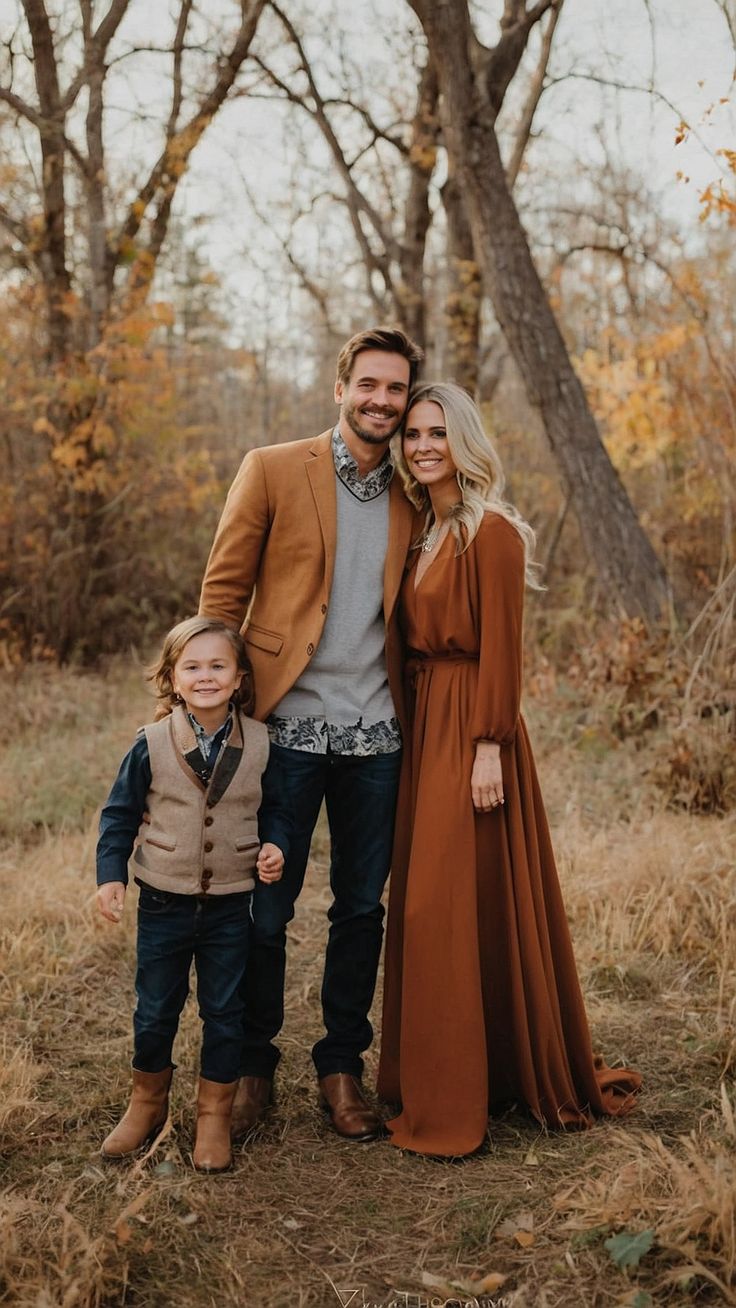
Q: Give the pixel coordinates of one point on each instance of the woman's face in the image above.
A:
(425, 447)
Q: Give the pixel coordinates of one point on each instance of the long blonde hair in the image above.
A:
(480, 475)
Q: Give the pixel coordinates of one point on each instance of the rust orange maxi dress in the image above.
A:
(482, 1005)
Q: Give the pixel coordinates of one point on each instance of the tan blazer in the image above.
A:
(270, 568)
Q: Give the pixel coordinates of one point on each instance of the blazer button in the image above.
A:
(324, 608)
(310, 648)
(207, 874)
(208, 846)
(209, 820)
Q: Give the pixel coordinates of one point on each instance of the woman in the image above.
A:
(482, 1005)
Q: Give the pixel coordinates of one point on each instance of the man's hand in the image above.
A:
(111, 899)
(270, 863)
(486, 780)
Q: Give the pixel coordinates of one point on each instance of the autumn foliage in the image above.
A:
(106, 518)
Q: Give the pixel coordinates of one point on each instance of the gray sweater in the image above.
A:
(346, 680)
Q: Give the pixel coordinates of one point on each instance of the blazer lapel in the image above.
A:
(400, 526)
(320, 469)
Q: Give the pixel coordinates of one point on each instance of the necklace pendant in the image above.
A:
(431, 539)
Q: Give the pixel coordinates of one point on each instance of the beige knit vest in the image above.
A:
(198, 839)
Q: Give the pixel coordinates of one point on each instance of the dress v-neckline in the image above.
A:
(419, 581)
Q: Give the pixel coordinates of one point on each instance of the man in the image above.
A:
(311, 546)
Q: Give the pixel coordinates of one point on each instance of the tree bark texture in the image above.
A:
(616, 542)
(464, 296)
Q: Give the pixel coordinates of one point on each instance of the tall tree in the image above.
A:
(93, 250)
(473, 80)
(133, 238)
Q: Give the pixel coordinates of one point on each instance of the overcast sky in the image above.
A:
(680, 47)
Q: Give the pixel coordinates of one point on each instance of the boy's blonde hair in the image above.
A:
(161, 673)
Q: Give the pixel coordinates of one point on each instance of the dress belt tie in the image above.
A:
(417, 663)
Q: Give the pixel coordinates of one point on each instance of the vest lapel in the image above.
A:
(227, 764)
(186, 748)
(320, 468)
(400, 526)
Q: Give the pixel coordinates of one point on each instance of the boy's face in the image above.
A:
(205, 675)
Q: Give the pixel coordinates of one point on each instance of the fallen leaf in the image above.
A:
(291, 1224)
(524, 1238)
(188, 1219)
(123, 1231)
(490, 1283)
(531, 1159)
(628, 1247)
(523, 1221)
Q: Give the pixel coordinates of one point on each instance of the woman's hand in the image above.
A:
(486, 780)
(110, 900)
(270, 863)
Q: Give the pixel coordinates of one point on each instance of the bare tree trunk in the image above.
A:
(473, 80)
(52, 259)
(462, 306)
(422, 159)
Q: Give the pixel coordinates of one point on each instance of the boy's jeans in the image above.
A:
(173, 930)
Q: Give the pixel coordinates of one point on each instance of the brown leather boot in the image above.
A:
(144, 1116)
(212, 1152)
(341, 1096)
(253, 1097)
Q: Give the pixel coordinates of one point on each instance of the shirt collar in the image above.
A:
(363, 488)
(206, 739)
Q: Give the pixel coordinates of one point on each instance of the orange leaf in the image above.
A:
(490, 1283)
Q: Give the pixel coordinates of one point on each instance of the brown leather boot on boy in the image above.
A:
(145, 1115)
(253, 1098)
(212, 1148)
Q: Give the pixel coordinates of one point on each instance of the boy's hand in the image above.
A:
(270, 863)
(110, 900)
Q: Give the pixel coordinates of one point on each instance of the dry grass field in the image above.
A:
(305, 1219)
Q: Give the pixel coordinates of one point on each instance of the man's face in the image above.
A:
(373, 400)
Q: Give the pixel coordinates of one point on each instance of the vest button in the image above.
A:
(209, 820)
(310, 648)
(208, 846)
(207, 874)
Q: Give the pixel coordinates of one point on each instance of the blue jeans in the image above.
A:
(174, 930)
(360, 795)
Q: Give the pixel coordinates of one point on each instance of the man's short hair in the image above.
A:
(390, 339)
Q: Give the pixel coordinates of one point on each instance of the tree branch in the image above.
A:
(16, 227)
(356, 199)
(166, 173)
(640, 90)
(533, 97)
(95, 49)
(502, 60)
(20, 107)
(178, 51)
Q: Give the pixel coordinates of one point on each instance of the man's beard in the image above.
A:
(352, 417)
